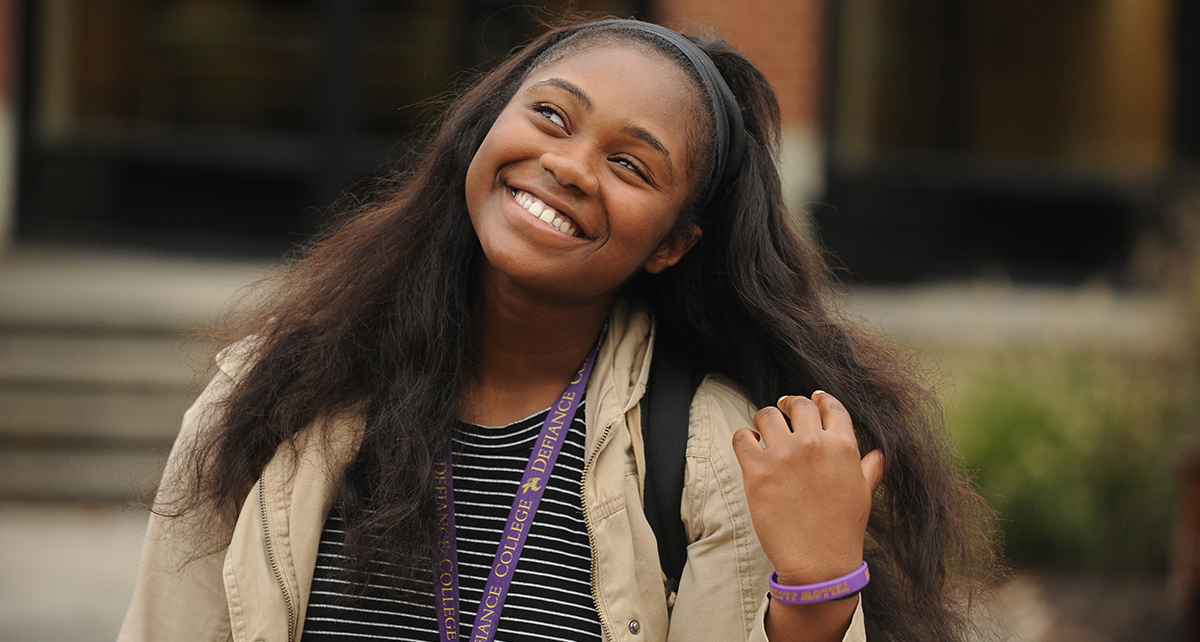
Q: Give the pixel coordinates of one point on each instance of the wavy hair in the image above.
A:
(376, 316)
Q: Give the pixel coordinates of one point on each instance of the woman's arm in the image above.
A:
(722, 593)
(810, 497)
(180, 593)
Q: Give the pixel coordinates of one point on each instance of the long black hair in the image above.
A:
(376, 318)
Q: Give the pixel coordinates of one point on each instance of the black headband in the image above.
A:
(730, 133)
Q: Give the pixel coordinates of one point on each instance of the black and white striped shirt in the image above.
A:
(550, 597)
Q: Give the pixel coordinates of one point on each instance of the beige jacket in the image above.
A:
(257, 588)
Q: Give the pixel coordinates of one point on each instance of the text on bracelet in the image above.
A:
(820, 594)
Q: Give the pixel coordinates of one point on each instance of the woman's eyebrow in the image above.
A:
(643, 134)
(569, 87)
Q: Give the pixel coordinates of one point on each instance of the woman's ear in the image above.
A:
(672, 249)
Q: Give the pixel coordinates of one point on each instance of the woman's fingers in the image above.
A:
(830, 416)
(804, 413)
(822, 412)
(834, 415)
(772, 424)
(746, 447)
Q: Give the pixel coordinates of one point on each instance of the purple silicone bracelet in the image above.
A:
(834, 589)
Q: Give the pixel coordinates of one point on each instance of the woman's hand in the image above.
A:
(810, 497)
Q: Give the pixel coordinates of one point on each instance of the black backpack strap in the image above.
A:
(666, 408)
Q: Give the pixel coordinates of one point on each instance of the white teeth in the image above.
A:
(544, 212)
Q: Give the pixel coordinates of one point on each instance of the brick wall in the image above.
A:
(8, 123)
(784, 37)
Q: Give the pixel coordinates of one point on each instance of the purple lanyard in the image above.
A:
(512, 541)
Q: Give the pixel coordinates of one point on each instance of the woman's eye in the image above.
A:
(552, 116)
(630, 165)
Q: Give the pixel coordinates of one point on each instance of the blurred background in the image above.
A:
(1010, 188)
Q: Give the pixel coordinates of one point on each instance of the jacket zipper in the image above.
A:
(287, 596)
(587, 519)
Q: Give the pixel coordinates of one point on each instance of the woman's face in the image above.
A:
(584, 173)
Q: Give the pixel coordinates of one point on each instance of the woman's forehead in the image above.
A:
(637, 55)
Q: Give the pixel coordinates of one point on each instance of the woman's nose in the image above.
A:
(571, 169)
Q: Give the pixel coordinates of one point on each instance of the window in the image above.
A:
(1019, 136)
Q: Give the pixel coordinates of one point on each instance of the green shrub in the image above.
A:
(1075, 452)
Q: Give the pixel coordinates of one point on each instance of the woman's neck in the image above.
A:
(528, 349)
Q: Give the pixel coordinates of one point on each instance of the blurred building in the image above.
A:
(925, 139)
(928, 138)
(1030, 139)
(219, 126)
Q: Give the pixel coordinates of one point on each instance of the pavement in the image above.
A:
(67, 571)
(122, 289)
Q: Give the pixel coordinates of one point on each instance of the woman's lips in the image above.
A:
(545, 213)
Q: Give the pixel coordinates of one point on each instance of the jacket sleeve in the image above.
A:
(180, 593)
(726, 571)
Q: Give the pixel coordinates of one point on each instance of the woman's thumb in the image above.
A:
(872, 468)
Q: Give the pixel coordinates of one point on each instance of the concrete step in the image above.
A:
(89, 415)
(83, 472)
(96, 367)
(45, 415)
(98, 360)
(61, 286)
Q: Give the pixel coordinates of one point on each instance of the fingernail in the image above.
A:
(780, 400)
(819, 392)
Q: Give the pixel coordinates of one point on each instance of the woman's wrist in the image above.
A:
(819, 622)
(817, 611)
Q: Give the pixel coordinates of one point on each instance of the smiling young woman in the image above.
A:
(592, 142)
(372, 456)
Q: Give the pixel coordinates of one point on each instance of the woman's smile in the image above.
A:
(539, 210)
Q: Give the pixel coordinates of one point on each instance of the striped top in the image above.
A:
(550, 597)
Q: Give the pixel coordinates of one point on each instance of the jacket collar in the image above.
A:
(622, 368)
